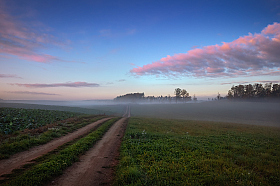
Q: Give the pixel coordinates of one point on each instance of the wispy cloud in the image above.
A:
(9, 76)
(68, 84)
(19, 39)
(251, 55)
(32, 93)
(121, 80)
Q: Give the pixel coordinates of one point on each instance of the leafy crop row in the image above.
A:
(43, 172)
(176, 152)
(23, 142)
(15, 119)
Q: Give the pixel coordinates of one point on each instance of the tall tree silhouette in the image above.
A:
(177, 93)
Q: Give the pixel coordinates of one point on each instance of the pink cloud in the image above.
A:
(19, 39)
(68, 84)
(254, 54)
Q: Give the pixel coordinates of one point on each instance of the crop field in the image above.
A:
(74, 108)
(13, 119)
(21, 129)
(164, 144)
(181, 152)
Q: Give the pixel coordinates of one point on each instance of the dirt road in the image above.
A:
(22, 158)
(96, 166)
(127, 112)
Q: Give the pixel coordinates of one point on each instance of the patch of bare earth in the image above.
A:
(96, 167)
(22, 158)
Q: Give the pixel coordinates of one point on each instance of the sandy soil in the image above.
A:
(96, 166)
(22, 158)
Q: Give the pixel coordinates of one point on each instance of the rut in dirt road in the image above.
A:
(95, 167)
(22, 158)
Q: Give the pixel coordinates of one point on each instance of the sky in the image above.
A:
(93, 49)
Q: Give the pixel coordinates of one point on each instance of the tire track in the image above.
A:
(95, 167)
(127, 112)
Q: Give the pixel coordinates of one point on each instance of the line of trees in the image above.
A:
(181, 95)
(256, 90)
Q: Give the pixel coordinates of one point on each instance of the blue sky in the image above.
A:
(69, 50)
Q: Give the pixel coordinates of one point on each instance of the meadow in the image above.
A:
(180, 152)
(210, 143)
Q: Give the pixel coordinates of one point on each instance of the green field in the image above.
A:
(17, 119)
(76, 109)
(180, 152)
(181, 149)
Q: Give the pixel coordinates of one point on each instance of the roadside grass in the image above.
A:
(180, 152)
(23, 141)
(56, 163)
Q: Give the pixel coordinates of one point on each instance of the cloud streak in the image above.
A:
(32, 93)
(68, 84)
(9, 76)
(248, 82)
(251, 55)
(18, 39)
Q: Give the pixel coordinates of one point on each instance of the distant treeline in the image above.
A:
(254, 91)
(181, 95)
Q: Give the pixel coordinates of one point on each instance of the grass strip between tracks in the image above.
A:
(54, 166)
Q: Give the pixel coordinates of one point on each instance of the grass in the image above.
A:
(23, 141)
(180, 152)
(45, 171)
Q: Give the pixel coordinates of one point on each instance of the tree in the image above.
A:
(254, 91)
(229, 96)
(267, 89)
(194, 98)
(249, 91)
(219, 96)
(185, 94)
(276, 90)
(177, 93)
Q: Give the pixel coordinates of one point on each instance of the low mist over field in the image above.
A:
(254, 113)
(243, 112)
